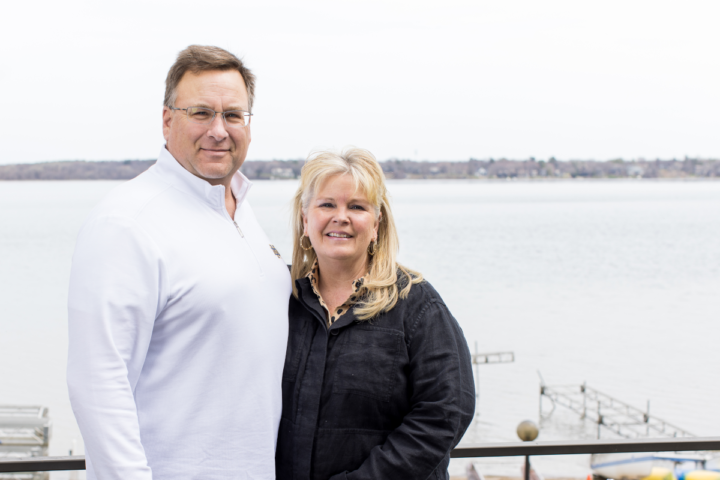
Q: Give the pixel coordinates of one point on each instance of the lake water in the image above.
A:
(616, 283)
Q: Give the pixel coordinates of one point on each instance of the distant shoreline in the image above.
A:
(502, 169)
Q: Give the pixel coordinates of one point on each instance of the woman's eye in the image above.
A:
(357, 207)
(326, 205)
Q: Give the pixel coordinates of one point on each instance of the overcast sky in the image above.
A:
(414, 79)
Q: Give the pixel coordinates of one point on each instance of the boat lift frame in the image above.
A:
(608, 413)
(487, 359)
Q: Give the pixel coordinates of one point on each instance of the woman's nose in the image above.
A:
(341, 215)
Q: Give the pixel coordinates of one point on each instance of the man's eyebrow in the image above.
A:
(230, 108)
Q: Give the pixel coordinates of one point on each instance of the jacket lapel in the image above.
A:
(308, 298)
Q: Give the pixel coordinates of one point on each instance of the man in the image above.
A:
(178, 302)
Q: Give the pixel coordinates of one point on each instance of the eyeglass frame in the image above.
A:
(249, 115)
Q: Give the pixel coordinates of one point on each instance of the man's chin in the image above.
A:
(213, 170)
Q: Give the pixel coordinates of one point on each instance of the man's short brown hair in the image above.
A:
(200, 58)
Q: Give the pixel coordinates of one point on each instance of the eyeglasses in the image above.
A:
(205, 116)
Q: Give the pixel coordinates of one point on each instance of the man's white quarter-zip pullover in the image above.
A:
(178, 330)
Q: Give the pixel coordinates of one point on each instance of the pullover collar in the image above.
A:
(214, 195)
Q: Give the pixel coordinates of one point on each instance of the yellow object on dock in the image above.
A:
(702, 475)
(659, 473)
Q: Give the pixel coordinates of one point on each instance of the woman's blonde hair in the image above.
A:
(380, 288)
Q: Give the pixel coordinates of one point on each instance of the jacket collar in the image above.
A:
(344, 320)
(214, 195)
(310, 300)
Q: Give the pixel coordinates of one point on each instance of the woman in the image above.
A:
(378, 379)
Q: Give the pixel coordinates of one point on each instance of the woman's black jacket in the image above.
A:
(381, 399)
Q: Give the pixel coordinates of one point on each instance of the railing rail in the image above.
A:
(587, 446)
(41, 464)
(515, 449)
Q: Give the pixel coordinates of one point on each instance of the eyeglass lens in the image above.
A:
(236, 118)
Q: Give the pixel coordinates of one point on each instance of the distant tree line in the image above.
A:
(618, 168)
(395, 169)
(75, 170)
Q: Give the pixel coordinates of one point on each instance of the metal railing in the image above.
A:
(515, 449)
(588, 446)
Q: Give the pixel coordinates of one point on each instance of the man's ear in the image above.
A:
(166, 122)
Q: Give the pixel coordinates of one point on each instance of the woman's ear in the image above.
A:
(304, 220)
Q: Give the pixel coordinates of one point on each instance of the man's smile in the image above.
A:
(215, 152)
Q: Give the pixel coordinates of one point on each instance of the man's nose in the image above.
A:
(217, 128)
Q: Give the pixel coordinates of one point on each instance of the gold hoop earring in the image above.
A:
(372, 251)
(303, 246)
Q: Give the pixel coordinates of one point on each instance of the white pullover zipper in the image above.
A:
(238, 229)
(252, 252)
